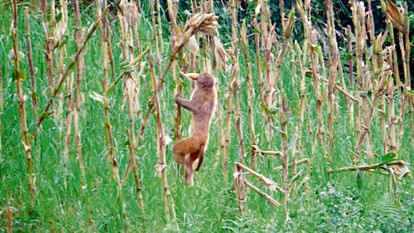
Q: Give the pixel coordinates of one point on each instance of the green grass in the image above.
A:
(333, 203)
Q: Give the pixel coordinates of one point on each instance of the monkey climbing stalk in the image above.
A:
(24, 131)
(162, 166)
(30, 62)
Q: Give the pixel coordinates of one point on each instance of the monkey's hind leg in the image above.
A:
(189, 160)
(189, 164)
(183, 148)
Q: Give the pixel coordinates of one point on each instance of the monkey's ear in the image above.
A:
(193, 76)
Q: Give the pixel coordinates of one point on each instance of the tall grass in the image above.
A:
(284, 129)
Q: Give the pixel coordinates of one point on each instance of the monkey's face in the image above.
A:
(205, 81)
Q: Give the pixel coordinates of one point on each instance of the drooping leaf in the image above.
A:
(96, 96)
(192, 45)
(394, 15)
(359, 180)
(410, 92)
(388, 157)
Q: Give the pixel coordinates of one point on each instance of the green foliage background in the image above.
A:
(333, 203)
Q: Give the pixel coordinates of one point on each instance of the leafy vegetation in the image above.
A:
(311, 134)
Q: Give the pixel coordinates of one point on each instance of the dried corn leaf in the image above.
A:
(268, 183)
(257, 10)
(220, 54)
(96, 96)
(290, 24)
(192, 45)
(399, 169)
(200, 22)
(394, 15)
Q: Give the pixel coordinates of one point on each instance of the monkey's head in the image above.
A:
(204, 80)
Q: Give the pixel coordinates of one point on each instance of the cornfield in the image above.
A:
(309, 135)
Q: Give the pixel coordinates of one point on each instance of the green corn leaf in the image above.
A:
(388, 157)
(359, 180)
(410, 92)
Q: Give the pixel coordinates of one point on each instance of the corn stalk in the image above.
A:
(157, 40)
(30, 62)
(68, 69)
(334, 62)
(105, 37)
(80, 64)
(235, 77)
(128, 17)
(301, 59)
(311, 34)
(358, 18)
(24, 131)
(240, 183)
(174, 31)
(351, 105)
(250, 94)
(162, 166)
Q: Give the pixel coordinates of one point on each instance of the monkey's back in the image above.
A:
(205, 101)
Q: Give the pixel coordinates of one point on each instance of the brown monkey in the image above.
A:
(202, 106)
